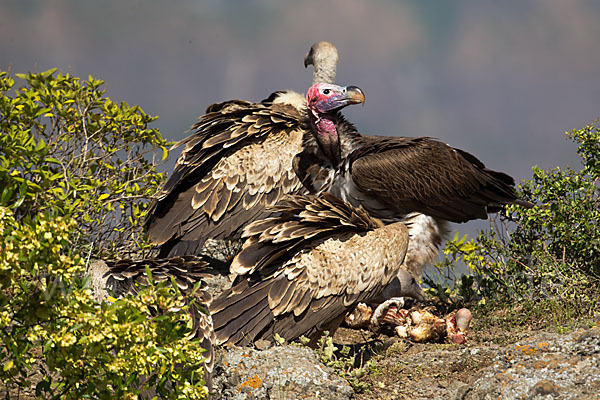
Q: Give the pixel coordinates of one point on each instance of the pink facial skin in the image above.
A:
(323, 98)
(318, 96)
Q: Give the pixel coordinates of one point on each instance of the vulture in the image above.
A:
(237, 162)
(302, 269)
(418, 180)
(121, 277)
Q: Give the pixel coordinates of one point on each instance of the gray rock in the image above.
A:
(547, 366)
(280, 372)
(222, 250)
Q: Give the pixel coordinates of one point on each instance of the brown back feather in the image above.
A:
(303, 221)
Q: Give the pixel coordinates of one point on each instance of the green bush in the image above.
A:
(73, 181)
(65, 149)
(547, 257)
(57, 338)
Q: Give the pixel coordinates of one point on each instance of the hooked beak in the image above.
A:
(355, 95)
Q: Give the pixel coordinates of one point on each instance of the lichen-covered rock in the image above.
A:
(280, 372)
(547, 366)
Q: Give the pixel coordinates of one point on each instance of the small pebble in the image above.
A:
(543, 388)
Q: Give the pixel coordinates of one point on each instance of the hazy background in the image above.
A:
(501, 79)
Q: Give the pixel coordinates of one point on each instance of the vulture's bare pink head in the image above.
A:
(322, 100)
(326, 97)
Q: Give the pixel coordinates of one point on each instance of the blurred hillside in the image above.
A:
(502, 80)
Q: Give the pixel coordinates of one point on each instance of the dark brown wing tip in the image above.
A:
(524, 203)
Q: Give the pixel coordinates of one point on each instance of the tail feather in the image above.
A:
(261, 322)
(241, 295)
(242, 324)
(238, 317)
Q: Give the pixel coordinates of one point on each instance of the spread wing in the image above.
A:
(237, 162)
(304, 269)
(427, 176)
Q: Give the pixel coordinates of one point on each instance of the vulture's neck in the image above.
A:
(327, 136)
(324, 72)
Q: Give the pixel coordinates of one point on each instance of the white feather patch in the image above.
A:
(426, 234)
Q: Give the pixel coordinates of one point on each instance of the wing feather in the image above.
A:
(237, 161)
(427, 176)
(126, 276)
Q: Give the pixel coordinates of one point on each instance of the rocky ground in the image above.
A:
(493, 364)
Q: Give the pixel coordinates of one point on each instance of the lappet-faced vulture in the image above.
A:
(237, 162)
(418, 180)
(122, 277)
(301, 271)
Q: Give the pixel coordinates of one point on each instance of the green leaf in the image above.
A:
(8, 365)
(47, 74)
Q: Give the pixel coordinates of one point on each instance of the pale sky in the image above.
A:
(501, 79)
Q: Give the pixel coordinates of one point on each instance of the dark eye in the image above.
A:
(326, 91)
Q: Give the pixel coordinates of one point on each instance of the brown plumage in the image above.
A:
(301, 271)
(419, 180)
(423, 175)
(127, 276)
(237, 162)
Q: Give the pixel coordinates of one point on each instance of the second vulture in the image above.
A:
(301, 271)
